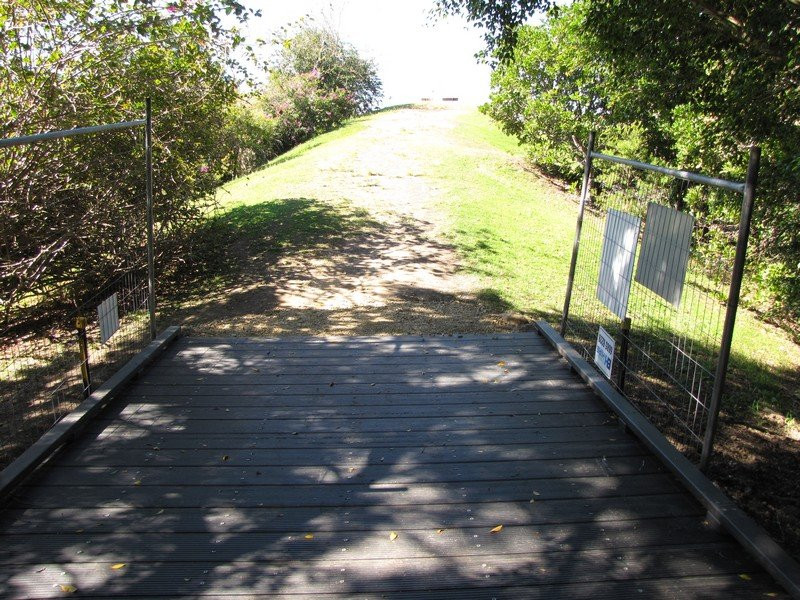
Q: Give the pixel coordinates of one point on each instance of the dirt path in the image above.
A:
(396, 277)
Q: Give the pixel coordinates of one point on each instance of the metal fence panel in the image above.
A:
(669, 322)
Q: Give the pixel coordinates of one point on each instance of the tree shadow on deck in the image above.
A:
(295, 483)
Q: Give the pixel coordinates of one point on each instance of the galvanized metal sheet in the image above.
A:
(665, 251)
(108, 317)
(620, 239)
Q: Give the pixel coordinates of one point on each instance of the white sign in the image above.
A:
(108, 316)
(604, 352)
(665, 251)
(620, 238)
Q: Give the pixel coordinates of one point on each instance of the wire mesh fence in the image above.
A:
(46, 374)
(72, 321)
(654, 268)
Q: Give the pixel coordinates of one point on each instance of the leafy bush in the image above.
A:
(317, 82)
(72, 211)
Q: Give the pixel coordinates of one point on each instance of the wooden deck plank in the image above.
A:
(34, 521)
(381, 411)
(206, 477)
(331, 494)
(346, 474)
(361, 544)
(353, 577)
(108, 432)
(547, 394)
(592, 512)
(129, 455)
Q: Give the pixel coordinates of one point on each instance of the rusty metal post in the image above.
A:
(83, 346)
(733, 305)
(587, 174)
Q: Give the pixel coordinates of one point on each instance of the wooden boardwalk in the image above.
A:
(368, 468)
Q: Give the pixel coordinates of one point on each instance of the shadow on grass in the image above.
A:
(248, 238)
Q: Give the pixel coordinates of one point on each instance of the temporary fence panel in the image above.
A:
(654, 287)
(46, 371)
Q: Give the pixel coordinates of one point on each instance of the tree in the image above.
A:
(335, 64)
(499, 19)
(699, 80)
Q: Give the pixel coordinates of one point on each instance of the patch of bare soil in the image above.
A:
(760, 470)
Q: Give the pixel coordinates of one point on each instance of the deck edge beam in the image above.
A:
(745, 530)
(74, 422)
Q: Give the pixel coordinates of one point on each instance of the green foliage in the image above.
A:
(550, 94)
(317, 82)
(71, 212)
(498, 19)
(693, 85)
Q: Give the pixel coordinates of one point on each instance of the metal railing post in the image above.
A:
(624, 345)
(151, 270)
(733, 304)
(587, 173)
(83, 348)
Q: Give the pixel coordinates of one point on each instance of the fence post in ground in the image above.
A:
(625, 333)
(151, 270)
(587, 174)
(83, 346)
(733, 304)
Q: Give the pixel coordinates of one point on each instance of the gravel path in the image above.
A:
(398, 277)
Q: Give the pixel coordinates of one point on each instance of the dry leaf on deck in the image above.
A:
(393, 535)
(117, 566)
(69, 589)
(502, 363)
(309, 536)
(440, 531)
(497, 529)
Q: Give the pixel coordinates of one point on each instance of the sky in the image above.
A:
(415, 56)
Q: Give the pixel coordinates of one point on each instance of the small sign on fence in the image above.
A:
(108, 317)
(604, 352)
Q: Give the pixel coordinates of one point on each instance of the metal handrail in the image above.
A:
(66, 133)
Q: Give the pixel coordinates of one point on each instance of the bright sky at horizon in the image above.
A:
(416, 56)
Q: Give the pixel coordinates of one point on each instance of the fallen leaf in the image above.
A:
(160, 511)
(502, 363)
(225, 457)
(393, 536)
(745, 576)
(440, 531)
(497, 529)
(69, 589)
(309, 536)
(351, 469)
(117, 566)
(137, 482)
